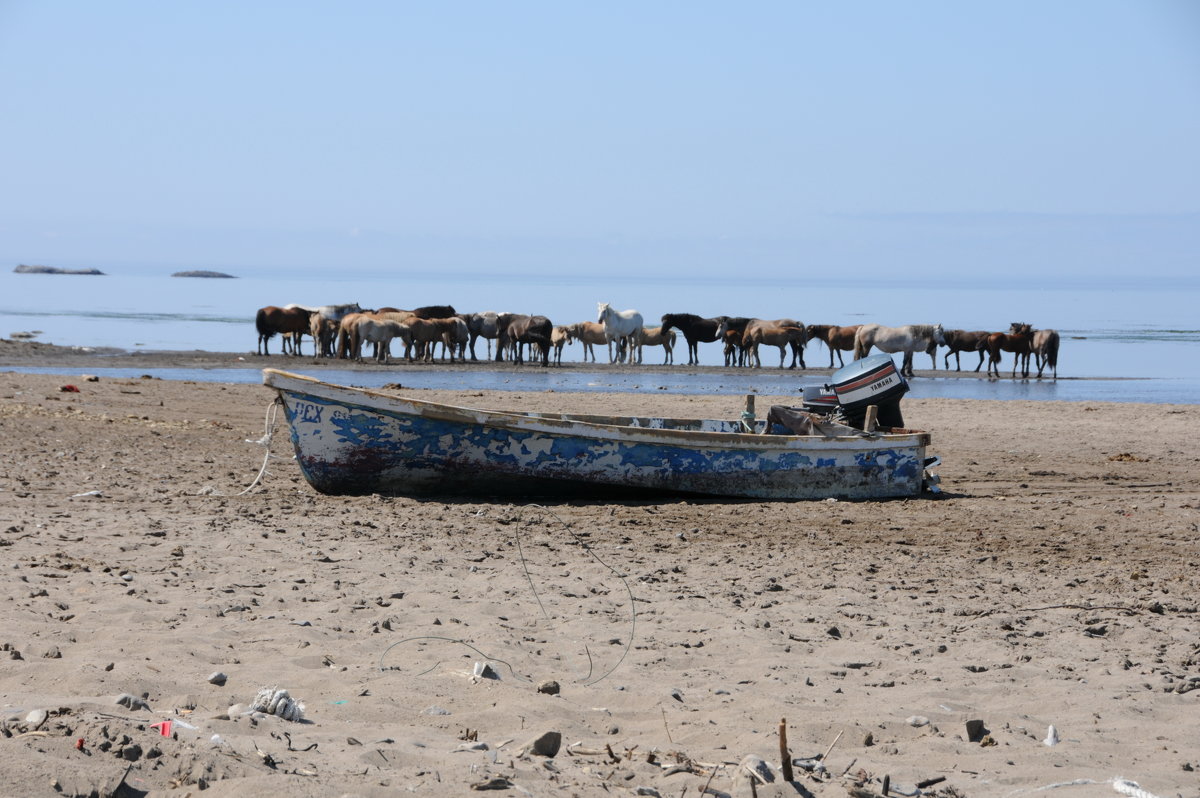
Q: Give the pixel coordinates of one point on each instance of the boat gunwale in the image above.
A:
(536, 423)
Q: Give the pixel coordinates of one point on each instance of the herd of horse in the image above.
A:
(341, 331)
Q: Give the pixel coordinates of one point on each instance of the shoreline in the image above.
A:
(33, 353)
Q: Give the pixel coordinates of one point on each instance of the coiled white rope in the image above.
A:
(274, 701)
(1131, 788)
(265, 442)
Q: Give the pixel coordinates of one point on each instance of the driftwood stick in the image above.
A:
(869, 422)
(785, 756)
(831, 745)
(665, 727)
(716, 770)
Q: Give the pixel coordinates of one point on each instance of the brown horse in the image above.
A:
(838, 339)
(288, 321)
(1018, 340)
(962, 341)
(735, 333)
(781, 333)
(1045, 350)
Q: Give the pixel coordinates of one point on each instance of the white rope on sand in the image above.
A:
(1131, 788)
(265, 442)
(1123, 786)
(274, 701)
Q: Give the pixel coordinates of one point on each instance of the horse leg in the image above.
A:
(906, 364)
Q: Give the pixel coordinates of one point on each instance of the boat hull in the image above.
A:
(356, 441)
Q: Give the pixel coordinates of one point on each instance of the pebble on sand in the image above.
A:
(545, 745)
(130, 701)
(217, 678)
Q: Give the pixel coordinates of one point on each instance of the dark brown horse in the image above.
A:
(1018, 340)
(962, 341)
(735, 334)
(532, 330)
(838, 339)
(273, 320)
(696, 331)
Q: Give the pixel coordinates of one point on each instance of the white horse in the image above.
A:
(618, 325)
(907, 339)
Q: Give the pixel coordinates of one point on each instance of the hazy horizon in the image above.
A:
(976, 141)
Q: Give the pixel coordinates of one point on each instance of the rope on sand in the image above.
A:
(265, 442)
(1131, 788)
(274, 701)
(588, 680)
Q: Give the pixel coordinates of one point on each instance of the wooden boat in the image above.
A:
(358, 441)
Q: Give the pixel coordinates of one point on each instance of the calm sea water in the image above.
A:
(1110, 331)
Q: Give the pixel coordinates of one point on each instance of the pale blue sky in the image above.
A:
(669, 137)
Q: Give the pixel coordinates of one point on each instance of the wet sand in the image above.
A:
(1055, 583)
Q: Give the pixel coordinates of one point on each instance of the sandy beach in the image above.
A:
(1053, 584)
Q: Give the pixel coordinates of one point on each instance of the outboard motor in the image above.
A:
(873, 380)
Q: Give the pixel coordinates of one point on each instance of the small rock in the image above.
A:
(869, 740)
(496, 783)
(545, 745)
(484, 670)
(130, 701)
(52, 653)
(217, 678)
(756, 768)
(614, 729)
(131, 752)
(975, 731)
(917, 721)
(677, 694)
(36, 718)
(110, 666)
(549, 687)
(435, 710)
(476, 746)
(647, 791)
(1051, 736)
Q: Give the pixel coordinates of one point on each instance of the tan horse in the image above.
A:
(778, 334)
(380, 332)
(559, 337)
(654, 336)
(781, 333)
(590, 333)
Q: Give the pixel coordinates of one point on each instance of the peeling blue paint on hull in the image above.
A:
(356, 441)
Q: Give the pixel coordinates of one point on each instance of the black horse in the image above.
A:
(696, 330)
(532, 330)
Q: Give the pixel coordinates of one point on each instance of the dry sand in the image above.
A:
(1054, 584)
